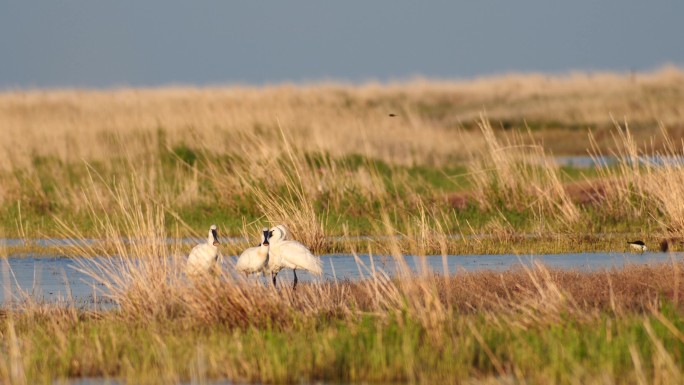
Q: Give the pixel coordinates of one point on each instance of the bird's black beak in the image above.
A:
(216, 241)
(267, 235)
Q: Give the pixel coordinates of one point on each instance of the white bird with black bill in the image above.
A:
(290, 254)
(255, 259)
(204, 257)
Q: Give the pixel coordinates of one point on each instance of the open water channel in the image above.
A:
(59, 279)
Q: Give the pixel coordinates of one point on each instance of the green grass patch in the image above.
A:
(368, 349)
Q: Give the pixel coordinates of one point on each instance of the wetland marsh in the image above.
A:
(525, 188)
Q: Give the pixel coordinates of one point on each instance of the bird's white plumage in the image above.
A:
(638, 247)
(289, 254)
(254, 259)
(293, 255)
(204, 257)
(280, 233)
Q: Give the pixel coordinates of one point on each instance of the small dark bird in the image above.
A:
(392, 115)
(638, 245)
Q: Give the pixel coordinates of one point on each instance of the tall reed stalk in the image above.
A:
(520, 176)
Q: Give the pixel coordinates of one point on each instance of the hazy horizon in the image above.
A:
(109, 45)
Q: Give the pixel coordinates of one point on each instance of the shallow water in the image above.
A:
(344, 266)
(50, 279)
(57, 279)
(584, 161)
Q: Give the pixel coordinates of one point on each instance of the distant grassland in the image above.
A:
(334, 118)
(468, 157)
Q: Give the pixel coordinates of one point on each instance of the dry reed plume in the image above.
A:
(646, 182)
(521, 176)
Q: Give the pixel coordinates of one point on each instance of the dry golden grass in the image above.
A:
(520, 176)
(646, 182)
(81, 124)
(74, 125)
(289, 154)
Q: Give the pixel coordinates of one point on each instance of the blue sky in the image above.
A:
(151, 43)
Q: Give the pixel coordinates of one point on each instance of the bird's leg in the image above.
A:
(295, 280)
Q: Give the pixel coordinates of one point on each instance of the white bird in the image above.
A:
(204, 256)
(288, 254)
(282, 233)
(254, 259)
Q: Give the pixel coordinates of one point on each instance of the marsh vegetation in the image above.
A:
(461, 168)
